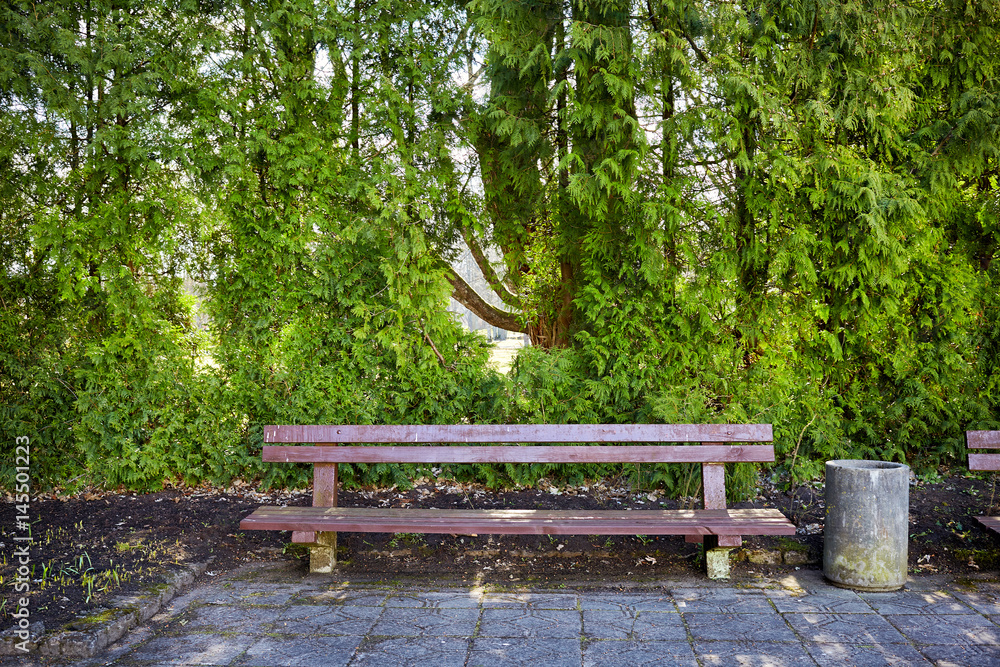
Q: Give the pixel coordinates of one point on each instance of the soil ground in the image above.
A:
(96, 545)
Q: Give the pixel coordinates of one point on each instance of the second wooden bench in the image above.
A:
(717, 527)
(983, 461)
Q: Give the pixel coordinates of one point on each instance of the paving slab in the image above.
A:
(412, 622)
(866, 655)
(263, 617)
(609, 623)
(662, 601)
(916, 602)
(962, 656)
(300, 652)
(443, 651)
(239, 592)
(356, 597)
(431, 600)
(760, 627)
(986, 600)
(947, 629)
(721, 601)
(845, 628)
(228, 618)
(536, 623)
(659, 626)
(752, 654)
(192, 649)
(506, 652)
(800, 602)
(529, 600)
(326, 620)
(639, 654)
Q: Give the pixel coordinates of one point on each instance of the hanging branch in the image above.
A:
(431, 343)
(468, 297)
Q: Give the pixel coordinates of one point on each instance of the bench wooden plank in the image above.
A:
(525, 454)
(983, 439)
(497, 433)
(984, 461)
(431, 514)
(521, 522)
(991, 522)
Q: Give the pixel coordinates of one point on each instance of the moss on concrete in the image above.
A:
(869, 569)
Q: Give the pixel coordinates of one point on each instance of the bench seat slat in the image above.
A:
(515, 454)
(490, 433)
(522, 522)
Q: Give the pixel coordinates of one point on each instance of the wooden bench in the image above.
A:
(715, 445)
(981, 461)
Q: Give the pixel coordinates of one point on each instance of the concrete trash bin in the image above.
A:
(865, 536)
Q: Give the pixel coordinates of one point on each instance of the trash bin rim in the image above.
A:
(866, 464)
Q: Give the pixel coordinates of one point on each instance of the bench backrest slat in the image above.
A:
(983, 439)
(511, 433)
(984, 461)
(527, 454)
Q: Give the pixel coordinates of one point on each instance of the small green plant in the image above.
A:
(644, 539)
(960, 531)
(931, 477)
(88, 583)
(122, 547)
(296, 550)
(408, 539)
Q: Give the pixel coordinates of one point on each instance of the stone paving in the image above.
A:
(267, 618)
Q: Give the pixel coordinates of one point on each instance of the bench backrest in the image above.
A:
(983, 440)
(714, 450)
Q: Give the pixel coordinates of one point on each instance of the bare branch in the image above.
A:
(465, 295)
(489, 273)
(433, 346)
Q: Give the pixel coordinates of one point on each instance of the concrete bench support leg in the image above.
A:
(717, 547)
(323, 554)
(717, 562)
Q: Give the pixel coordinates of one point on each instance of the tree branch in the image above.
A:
(489, 273)
(698, 52)
(433, 346)
(465, 295)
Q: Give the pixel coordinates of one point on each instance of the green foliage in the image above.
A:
(216, 216)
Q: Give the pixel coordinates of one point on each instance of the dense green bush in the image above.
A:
(217, 216)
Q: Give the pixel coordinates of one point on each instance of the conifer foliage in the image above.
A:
(218, 215)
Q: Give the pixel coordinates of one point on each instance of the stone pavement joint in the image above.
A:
(266, 616)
